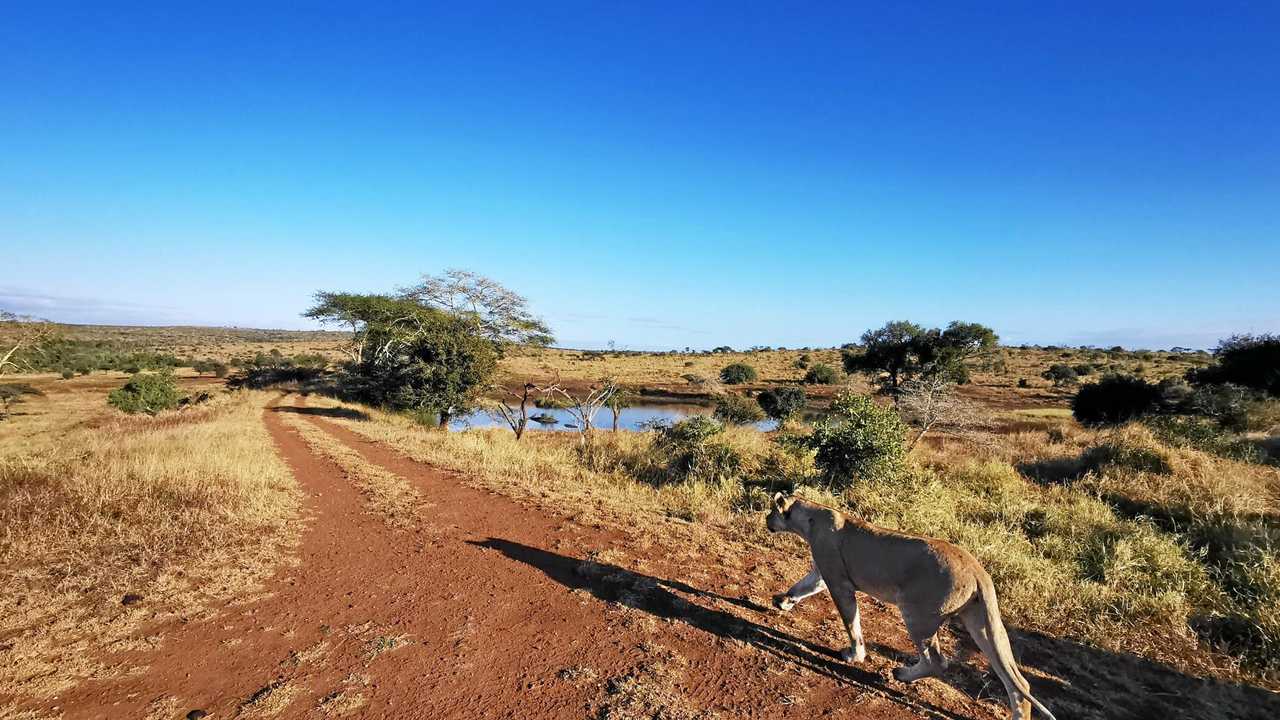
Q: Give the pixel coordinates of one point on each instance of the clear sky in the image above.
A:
(656, 174)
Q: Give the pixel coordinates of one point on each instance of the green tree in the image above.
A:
(902, 350)
(892, 349)
(430, 362)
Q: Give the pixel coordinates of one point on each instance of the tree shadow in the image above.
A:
(657, 596)
(337, 412)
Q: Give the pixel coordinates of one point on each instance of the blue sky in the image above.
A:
(660, 175)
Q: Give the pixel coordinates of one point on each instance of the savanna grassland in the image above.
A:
(1110, 546)
(101, 510)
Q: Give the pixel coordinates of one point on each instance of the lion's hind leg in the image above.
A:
(991, 640)
(922, 627)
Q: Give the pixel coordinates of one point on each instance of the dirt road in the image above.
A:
(486, 609)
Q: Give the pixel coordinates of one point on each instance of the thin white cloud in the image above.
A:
(85, 310)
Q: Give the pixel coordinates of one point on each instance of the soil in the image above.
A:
(487, 608)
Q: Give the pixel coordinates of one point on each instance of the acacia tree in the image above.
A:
(900, 351)
(22, 333)
(502, 315)
(359, 312)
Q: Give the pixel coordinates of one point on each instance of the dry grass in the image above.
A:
(270, 700)
(176, 510)
(998, 379)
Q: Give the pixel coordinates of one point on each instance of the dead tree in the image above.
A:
(22, 333)
(516, 414)
(930, 402)
(584, 408)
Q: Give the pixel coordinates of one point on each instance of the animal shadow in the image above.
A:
(658, 597)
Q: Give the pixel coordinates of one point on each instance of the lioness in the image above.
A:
(929, 580)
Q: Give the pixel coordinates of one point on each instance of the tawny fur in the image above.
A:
(928, 580)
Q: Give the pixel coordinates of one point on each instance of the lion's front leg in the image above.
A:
(845, 596)
(808, 586)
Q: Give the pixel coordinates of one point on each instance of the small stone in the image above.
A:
(131, 599)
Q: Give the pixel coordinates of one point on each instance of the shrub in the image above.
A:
(1249, 360)
(146, 393)
(68, 373)
(858, 439)
(781, 403)
(1022, 383)
(1227, 404)
(1083, 369)
(220, 369)
(822, 374)
(1114, 399)
(738, 410)
(1061, 374)
(738, 373)
(693, 452)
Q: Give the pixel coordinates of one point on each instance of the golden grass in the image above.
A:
(178, 510)
(648, 369)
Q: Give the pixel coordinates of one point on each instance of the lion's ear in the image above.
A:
(779, 500)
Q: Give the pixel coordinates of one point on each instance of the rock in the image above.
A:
(196, 714)
(131, 599)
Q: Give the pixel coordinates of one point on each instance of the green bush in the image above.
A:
(858, 439)
(738, 373)
(68, 373)
(781, 403)
(1061, 374)
(737, 410)
(693, 451)
(146, 393)
(1115, 399)
(821, 374)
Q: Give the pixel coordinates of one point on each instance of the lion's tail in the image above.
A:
(982, 618)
